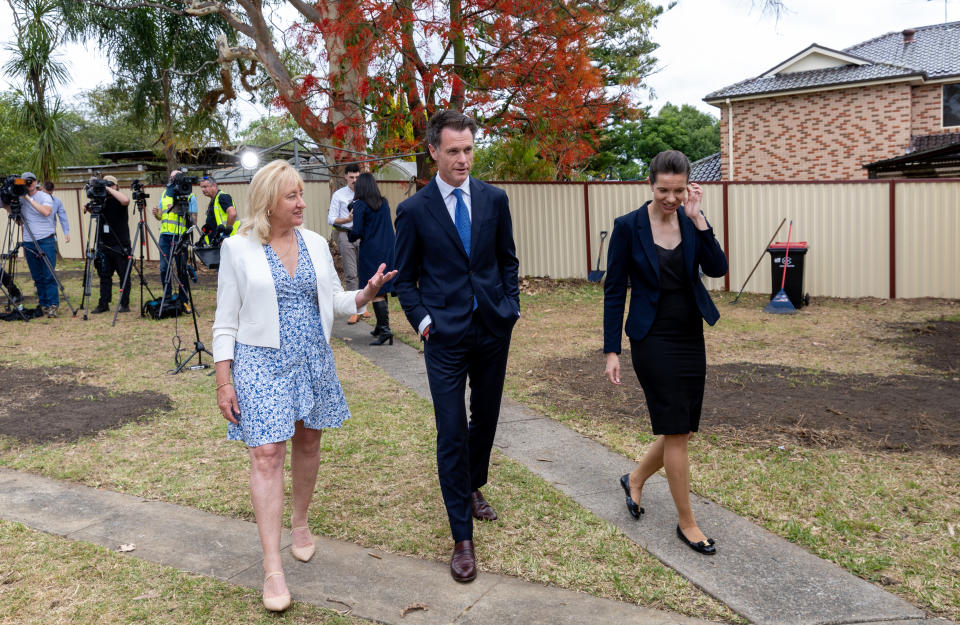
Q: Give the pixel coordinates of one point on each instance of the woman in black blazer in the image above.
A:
(373, 228)
(658, 249)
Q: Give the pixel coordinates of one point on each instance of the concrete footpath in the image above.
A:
(764, 578)
(342, 576)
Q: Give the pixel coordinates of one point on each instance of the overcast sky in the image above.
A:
(704, 44)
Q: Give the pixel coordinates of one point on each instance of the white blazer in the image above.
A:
(247, 309)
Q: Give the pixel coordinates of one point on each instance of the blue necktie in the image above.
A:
(462, 220)
(461, 217)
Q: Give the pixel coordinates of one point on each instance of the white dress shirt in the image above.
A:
(339, 201)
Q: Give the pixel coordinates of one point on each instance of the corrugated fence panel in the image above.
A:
(548, 228)
(928, 230)
(609, 201)
(845, 225)
(73, 201)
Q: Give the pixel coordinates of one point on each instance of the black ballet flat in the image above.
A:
(705, 547)
(634, 510)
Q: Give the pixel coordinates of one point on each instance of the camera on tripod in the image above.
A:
(139, 195)
(97, 194)
(181, 188)
(11, 190)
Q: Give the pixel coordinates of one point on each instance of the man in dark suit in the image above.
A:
(458, 285)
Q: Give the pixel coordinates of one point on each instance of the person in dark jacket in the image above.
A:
(659, 249)
(373, 228)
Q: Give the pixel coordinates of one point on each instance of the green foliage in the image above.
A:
(514, 158)
(104, 122)
(34, 63)
(16, 141)
(625, 149)
(269, 131)
(167, 62)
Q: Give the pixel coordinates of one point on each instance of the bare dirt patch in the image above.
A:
(771, 404)
(935, 344)
(43, 405)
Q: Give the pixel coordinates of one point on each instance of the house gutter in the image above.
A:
(730, 135)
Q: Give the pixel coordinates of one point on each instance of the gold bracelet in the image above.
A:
(224, 384)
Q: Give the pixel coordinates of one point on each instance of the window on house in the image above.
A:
(951, 105)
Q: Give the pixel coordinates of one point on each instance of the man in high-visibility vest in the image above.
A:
(172, 226)
(222, 220)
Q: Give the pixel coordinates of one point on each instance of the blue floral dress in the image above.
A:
(297, 382)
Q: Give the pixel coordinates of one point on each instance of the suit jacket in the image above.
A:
(435, 276)
(247, 309)
(632, 256)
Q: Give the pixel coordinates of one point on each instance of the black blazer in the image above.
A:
(435, 276)
(632, 256)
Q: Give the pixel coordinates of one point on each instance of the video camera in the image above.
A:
(97, 194)
(139, 195)
(181, 188)
(11, 190)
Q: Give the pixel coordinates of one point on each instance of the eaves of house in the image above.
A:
(924, 55)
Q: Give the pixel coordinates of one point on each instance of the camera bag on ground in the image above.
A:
(172, 307)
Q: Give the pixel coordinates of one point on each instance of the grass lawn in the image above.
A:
(891, 517)
(377, 484)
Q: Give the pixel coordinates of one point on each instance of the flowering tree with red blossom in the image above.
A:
(552, 71)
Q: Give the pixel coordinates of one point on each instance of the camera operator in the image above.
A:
(114, 247)
(172, 226)
(222, 221)
(40, 238)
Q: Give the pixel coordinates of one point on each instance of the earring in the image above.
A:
(268, 213)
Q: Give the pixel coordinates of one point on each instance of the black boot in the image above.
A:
(382, 311)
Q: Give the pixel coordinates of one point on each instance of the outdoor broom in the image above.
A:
(775, 232)
(781, 304)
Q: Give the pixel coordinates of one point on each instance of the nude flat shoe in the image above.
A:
(279, 603)
(302, 553)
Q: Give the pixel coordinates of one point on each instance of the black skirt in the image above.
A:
(671, 364)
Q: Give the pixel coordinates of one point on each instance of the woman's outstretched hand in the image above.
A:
(373, 285)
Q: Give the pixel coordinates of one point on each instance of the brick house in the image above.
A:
(885, 107)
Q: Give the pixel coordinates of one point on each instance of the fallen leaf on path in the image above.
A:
(413, 607)
(126, 547)
(373, 555)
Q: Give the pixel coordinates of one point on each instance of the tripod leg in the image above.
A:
(126, 277)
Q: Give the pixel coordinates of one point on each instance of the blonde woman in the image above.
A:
(276, 298)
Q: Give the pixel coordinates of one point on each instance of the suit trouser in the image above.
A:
(463, 449)
(349, 252)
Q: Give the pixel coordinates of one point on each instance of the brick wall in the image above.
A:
(926, 114)
(828, 135)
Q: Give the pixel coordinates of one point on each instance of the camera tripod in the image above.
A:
(143, 231)
(180, 250)
(9, 271)
(13, 238)
(89, 254)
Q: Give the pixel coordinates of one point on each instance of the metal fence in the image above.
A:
(889, 238)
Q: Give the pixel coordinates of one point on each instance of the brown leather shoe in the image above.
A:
(353, 319)
(366, 315)
(480, 508)
(463, 564)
